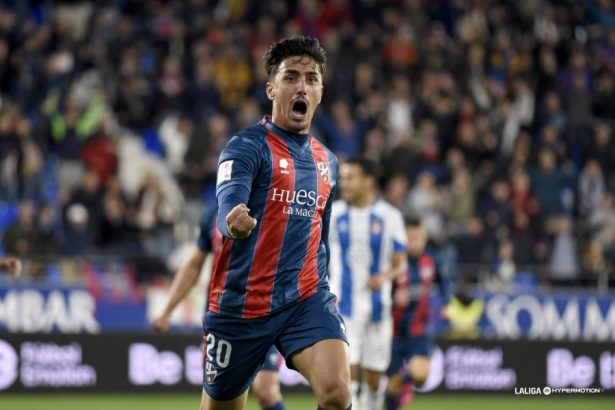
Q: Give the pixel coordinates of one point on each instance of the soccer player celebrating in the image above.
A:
(10, 265)
(412, 340)
(269, 286)
(368, 245)
(266, 385)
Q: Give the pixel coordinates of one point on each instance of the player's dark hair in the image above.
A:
(412, 222)
(294, 46)
(369, 167)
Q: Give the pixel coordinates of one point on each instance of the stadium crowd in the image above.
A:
(492, 121)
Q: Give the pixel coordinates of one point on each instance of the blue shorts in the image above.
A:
(407, 347)
(237, 348)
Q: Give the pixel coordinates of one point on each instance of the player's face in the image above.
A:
(354, 184)
(417, 239)
(296, 91)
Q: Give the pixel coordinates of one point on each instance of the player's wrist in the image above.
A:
(232, 233)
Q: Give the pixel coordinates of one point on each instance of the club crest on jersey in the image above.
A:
(284, 166)
(324, 171)
(376, 228)
(210, 373)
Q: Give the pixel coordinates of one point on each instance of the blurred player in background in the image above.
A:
(368, 251)
(412, 338)
(266, 385)
(10, 264)
(275, 187)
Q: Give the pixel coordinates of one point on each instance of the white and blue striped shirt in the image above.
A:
(362, 243)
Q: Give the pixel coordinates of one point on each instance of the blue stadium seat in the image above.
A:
(8, 213)
(526, 281)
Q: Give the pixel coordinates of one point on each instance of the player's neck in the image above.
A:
(276, 121)
(364, 201)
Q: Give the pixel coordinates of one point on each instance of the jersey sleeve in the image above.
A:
(398, 232)
(239, 163)
(205, 239)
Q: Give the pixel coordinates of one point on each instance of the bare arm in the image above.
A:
(398, 268)
(186, 277)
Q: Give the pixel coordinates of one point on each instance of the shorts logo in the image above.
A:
(284, 166)
(210, 373)
(324, 171)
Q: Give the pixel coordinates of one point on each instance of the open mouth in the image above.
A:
(299, 108)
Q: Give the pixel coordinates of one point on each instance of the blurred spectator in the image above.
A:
(22, 236)
(153, 214)
(471, 244)
(596, 266)
(78, 234)
(602, 223)
(591, 188)
(201, 157)
(524, 207)
(82, 214)
(550, 113)
(604, 90)
(504, 266)
(175, 134)
(461, 197)
(425, 202)
(548, 184)
(564, 264)
(399, 109)
(98, 154)
(342, 132)
(495, 207)
(602, 148)
(49, 231)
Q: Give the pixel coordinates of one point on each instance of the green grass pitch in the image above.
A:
(295, 402)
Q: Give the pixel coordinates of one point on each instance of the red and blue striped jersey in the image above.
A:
(292, 180)
(424, 276)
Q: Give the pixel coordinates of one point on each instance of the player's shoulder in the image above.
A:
(332, 157)
(339, 207)
(252, 136)
(385, 208)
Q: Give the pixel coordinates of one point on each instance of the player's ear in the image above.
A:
(269, 90)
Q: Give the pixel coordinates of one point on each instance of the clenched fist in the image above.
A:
(161, 324)
(239, 223)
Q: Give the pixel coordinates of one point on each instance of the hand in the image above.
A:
(239, 223)
(376, 282)
(11, 265)
(161, 324)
